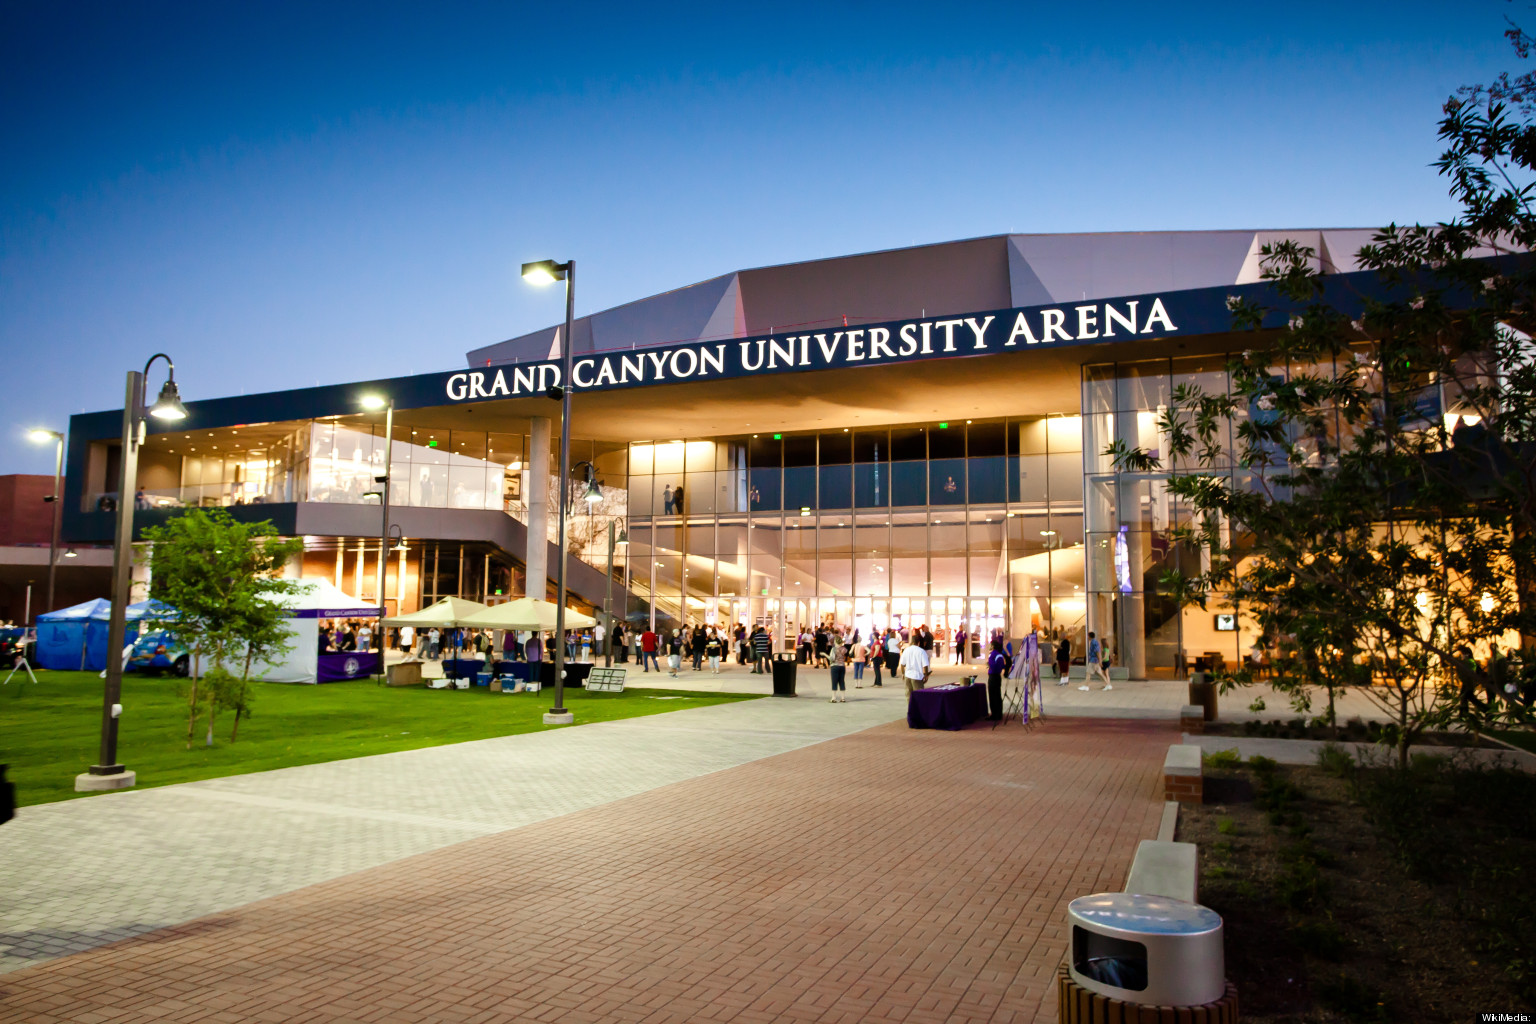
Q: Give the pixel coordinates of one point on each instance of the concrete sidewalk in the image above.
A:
(81, 873)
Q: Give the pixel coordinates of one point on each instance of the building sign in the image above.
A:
(1110, 320)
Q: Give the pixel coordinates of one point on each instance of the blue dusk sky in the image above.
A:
(284, 194)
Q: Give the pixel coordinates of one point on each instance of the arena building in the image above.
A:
(894, 438)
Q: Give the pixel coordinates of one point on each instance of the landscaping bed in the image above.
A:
(1368, 894)
(1353, 731)
(49, 731)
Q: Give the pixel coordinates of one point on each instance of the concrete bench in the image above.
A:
(1164, 869)
(1117, 674)
(1183, 779)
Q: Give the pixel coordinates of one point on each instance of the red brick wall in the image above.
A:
(25, 518)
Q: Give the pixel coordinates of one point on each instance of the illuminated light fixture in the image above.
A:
(543, 272)
(168, 406)
(943, 426)
(71, 553)
(1047, 533)
(372, 402)
(41, 436)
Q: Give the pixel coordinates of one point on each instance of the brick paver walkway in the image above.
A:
(889, 875)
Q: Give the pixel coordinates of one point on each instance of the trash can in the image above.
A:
(1148, 950)
(784, 675)
(1202, 691)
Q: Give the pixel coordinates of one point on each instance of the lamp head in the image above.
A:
(542, 272)
(373, 402)
(42, 435)
(71, 553)
(168, 406)
(623, 539)
(594, 492)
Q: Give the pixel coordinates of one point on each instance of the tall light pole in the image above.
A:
(43, 436)
(107, 773)
(623, 539)
(375, 402)
(547, 272)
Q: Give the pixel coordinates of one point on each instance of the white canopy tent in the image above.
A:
(319, 599)
(450, 611)
(525, 613)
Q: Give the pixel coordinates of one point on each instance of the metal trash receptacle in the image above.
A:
(1150, 950)
(784, 675)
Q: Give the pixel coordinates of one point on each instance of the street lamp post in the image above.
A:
(623, 538)
(107, 773)
(382, 479)
(43, 436)
(547, 272)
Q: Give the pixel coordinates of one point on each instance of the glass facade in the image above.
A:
(1130, 516)
(976, 525)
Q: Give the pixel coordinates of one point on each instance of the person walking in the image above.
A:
(434, 643)
(740, 636)
(997, 664)
(915, 667)
(1063, 660)
(648, 641)
(1095, 666)
(762, 650)
(836, 663)
(712, 646)
(860, 656)
(892, 651)
(675, 652)
(699, 642)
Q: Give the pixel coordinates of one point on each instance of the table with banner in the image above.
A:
(946, 707)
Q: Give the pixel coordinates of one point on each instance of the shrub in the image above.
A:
(1335, 760)
(1224, 759)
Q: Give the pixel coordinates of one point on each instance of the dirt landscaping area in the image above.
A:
(1369, 894)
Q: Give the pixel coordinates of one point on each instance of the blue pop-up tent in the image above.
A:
(75, 638)
(63, 636)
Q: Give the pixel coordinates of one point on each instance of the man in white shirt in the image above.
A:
(364, 637)
(914, 666)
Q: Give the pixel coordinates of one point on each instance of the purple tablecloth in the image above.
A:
(953, 708)
(333, 668)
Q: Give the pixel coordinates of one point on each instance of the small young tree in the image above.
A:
(219, 576)
(1381, 522)
(261, 627)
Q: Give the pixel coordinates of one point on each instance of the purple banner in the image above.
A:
(334, 668)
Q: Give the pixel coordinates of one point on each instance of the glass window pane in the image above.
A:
(763, 451)
(871, 445)
(836, 448)
(836, 487)
(985, 439)
(987, 479)
(800, 450)
(1064, 433)
(871, 485)
(909, 444)
(669, 459)
(947, 555)
(946, 482)
(700, 497)
(909, 483)
(763, 489)
(909, 554)
(799, 487)
(984, 548)
(947, 442)
(1066, 480)
(1141, 385)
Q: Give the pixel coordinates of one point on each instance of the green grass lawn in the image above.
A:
(51, 731)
